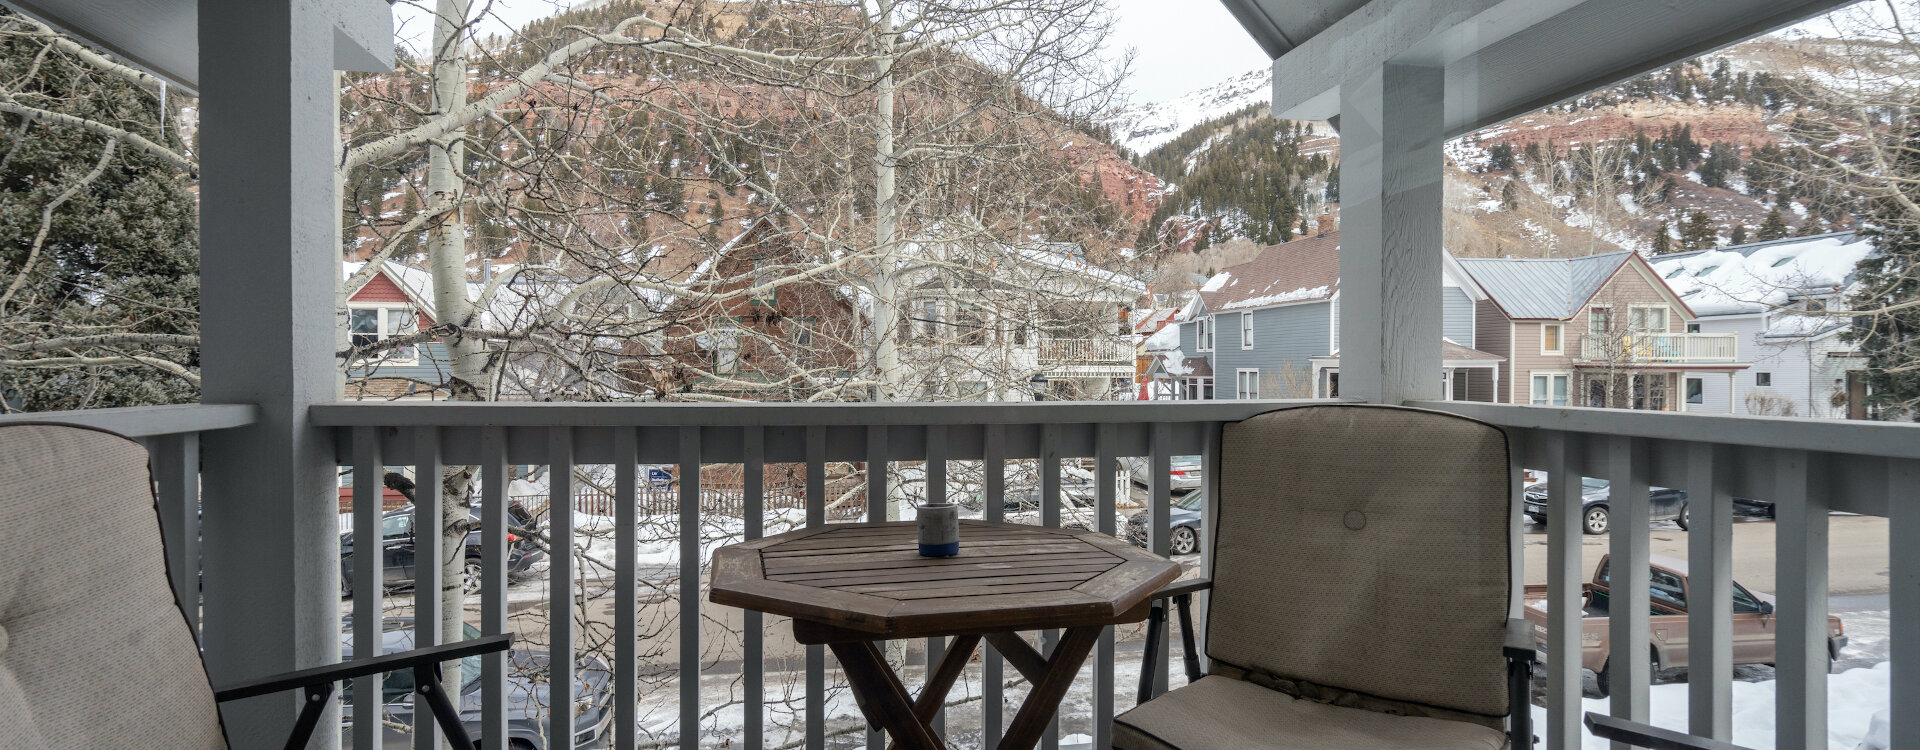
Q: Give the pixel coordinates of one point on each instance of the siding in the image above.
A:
(1527, 359)
(1490, 335)
(1457, 316)
(1804, 374)
(434, 366)
(1284, 338)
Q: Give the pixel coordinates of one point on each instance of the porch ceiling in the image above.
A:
(163, 36)
(1502, 57)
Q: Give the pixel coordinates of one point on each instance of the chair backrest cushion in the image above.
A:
(1364, 548)
(96, 652)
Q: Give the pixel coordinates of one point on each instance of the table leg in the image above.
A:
(1044, 698)
(934, 693)
(881, 696)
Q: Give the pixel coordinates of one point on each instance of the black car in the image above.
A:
(1664, 504)
(1183, 524)
(397, 558)
(527, 694)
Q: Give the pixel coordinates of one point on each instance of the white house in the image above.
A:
(1786, 300)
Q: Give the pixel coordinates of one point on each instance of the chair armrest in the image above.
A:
(1651, 737)
(1181, 587)
(348, 670)
(1519, 644)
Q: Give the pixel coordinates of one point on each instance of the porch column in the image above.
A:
(1391, 133)
(269, 225)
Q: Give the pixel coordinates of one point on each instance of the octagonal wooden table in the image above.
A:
(850, 586)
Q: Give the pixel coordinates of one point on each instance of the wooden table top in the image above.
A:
(870, 577)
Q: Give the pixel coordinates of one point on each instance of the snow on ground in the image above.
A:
(1853, 697)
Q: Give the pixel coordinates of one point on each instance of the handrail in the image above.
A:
(837, 414)
(1886, 439)
(147, 421)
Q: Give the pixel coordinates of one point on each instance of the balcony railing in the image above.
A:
(1659, 348)
(1107, 351)
(1806, 467)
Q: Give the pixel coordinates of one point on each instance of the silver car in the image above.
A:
(1184, 474)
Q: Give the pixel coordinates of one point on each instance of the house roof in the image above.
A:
(1453, 352)
(1304, 270)
(1543, 288)
(1761, 276)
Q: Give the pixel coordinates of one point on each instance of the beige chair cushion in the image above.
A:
(1220, 713)
(1364, 548)
(96, 653)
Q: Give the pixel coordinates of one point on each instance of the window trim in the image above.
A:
(1246, 330)
(1199, 386)
(383, 311)
(1592, 319)
(738, 334)
(1245, 388)
(1757, 377)
(1666, 318)
(1559, 338)
(1686, 391)
(757, 274)
(1549, 376)
(1203, 334)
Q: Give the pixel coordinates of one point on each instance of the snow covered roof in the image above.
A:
(1165, 339)
(1304, 270)
(1761, 276)
(1543, 288)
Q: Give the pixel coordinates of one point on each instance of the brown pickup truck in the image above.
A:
(1753, 623)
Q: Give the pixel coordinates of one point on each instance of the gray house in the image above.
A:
(1269, 328)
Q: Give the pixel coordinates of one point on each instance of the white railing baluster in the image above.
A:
(626, 589)
(876, 513)
(429, 554)
(1627, 469)
(690, 588)
(816, 707)
(1159, 511)
(936, 471)
(1563, 593)
(1903, 565)
(1105, 466)
(493, 577)
(993, 455)
(753, 661)
(1800, 576)
(560, 592)
(368, 486)
(1709, 592)
(1050, 517)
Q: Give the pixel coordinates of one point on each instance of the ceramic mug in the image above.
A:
(939, 529)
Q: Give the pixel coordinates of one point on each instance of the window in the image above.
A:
(800, 332)
(1816, 305)
(1550, 338)
(1203, 334)
(1199, 389)
(396, 526)
(1246, 384)
(1763, 378)
(971, 323)
(1696, 391)
(763, 274)
(726, 347)
(973, 390)
(1744, 602)
(1246, 330)
(1599, 319)
(1693, 328)
(1667, 588)
(1648, 318)
(1550, 389)
(931, 315)
(1676, 272)
(368, 325)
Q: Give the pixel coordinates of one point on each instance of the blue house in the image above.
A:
(1270, 328)
(394, 300)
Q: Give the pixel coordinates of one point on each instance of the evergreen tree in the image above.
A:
(1890, 339)
(1509, 198)
(1500, 157)
(1812, 226)
(120, 256)
(1739, 235)
(1662, 244)
(1774, 227)
(1697, 233)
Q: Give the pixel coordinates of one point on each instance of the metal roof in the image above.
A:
(1550, 288)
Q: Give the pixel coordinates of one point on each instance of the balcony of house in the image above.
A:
(1639, 348)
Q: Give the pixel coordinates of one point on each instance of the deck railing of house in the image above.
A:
(1638, 347)
(1806, 467)
(1085, 351)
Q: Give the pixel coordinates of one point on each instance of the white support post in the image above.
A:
(1391, 131)
(269, 222)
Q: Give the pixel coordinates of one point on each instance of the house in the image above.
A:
(1602, 331)
(1784, 301)
(1147, 324)
(1274, 323)
(393, 300)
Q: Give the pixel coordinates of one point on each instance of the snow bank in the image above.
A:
(1853, 697)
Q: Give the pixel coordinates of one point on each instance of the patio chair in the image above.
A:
(1359, 595)
(95, 650)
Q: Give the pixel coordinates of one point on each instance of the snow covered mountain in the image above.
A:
(1143, 127)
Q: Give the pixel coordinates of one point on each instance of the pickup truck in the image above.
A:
(1753, 622)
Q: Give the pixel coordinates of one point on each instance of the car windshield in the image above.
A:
(1593, 484)
(1190, 501)
(395, 525)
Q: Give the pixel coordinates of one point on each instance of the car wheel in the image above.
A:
(1603, 679)
(1595, 522)
(470, 577)
(1183, 541)
(1686, 517)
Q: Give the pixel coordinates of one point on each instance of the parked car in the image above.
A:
(527, 696)
(1183, 524)
(1027, 498)
(397, 563)
(1536, 493)
(1183, 474)
(1753, 622)
(1665, 504)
